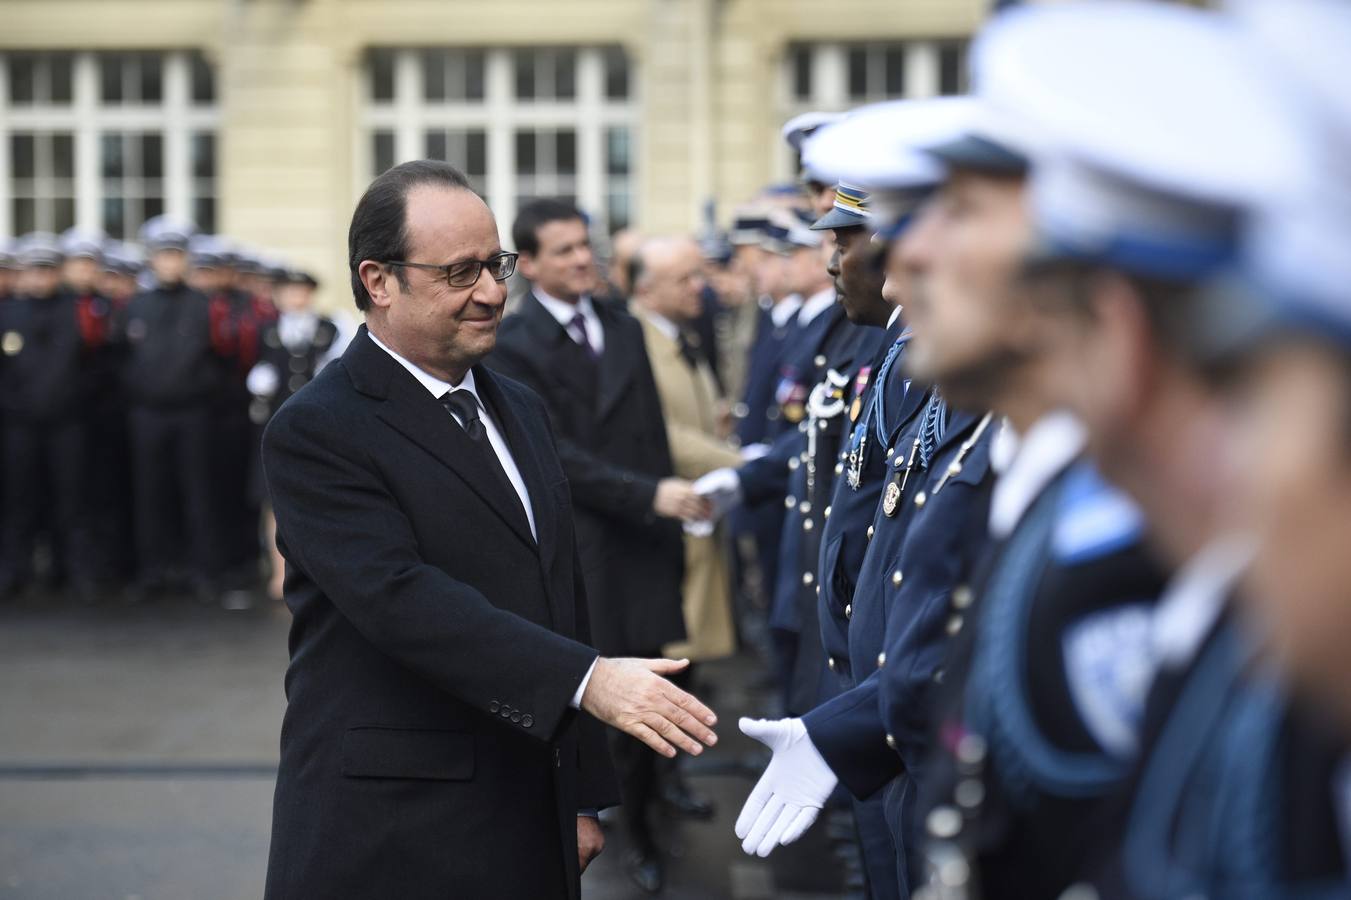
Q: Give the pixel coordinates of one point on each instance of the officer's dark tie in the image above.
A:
(465, 405)
(689, 348)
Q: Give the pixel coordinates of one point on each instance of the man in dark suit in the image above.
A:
(586, 359)
(433, 744)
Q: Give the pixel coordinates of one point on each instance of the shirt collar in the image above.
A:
(562, 310)
(1194, 598)
(895, 314)
(434, 385)
(1049, 446)
(661, 323)
(783, 311)
(816, 304)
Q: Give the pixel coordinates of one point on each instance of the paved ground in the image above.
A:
(138, 749)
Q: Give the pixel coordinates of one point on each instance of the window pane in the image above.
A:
(204, 213)
(565, 152)
(111, 164)
(150, 207)
(63, 214)
(802, 73)
(152, 156)
(383, 150)
(436, 145)
(203, 154)
(616, 74)
(858, 72)
(525, 74)
(950, 69)
(474, 66)
(617, 151)
(565, 77)
(22, 157)
(525, 152)
(382, 76)
(895, 68)
(203, 80)
(617, 211)
(110, 77)
(113, 211)
(434, 76)
(151, 67)
(63, 156)
(476, 154)
(61, 73)
(22, 79)
(25, 215)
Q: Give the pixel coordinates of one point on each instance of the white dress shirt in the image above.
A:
(439, 389)
(1194, 598)
(565, 312)
(1049, 446)
(815, 305)
(782, 313)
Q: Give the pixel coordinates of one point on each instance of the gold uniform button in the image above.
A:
(12, 343)
(808, 578)
(897, 578)
(920, 499)
(891, 742)
(891, 451)
(849, 610)
(839, 467)
(881, 659)
(962, 596)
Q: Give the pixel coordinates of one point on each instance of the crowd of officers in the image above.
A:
(1043, 483)
(134, 381)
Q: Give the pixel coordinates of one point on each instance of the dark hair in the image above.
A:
(535, 215)
(379, 229)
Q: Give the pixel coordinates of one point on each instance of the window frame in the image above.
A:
(177, 117)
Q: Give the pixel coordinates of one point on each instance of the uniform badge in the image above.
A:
(860, 387)
(891, 499)
(11, 343)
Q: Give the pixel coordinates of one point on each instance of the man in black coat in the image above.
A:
(433, 744)
(587, 360)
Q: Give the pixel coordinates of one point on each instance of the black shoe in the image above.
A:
(645, 870)
(684, 802)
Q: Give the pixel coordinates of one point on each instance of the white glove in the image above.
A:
(263, 380)
(722, 487)
(754, 451)
(790, 794)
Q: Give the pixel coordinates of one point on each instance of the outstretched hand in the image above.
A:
(632, 695)
(789, 796)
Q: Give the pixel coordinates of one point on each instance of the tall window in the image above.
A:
(106, 140)
(832, 76)
(520, 122)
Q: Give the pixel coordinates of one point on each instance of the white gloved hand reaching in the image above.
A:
(789, 796)
(721, 487)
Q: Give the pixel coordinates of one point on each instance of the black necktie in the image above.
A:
(465, 405)
(689, 348)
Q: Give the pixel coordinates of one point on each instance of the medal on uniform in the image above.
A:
(860, 386)
(892, 498)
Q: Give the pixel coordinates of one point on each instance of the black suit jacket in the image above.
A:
(429, 749)
(613, 446)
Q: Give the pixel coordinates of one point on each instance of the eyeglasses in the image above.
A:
(465, 274)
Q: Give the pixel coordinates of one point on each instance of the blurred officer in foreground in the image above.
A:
(9, 270)
(586, 359)
(172, 376)
(293, 350)
(45, 438)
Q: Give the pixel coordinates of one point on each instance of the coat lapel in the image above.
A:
(412, 411)
(575, 368)
(616, 364)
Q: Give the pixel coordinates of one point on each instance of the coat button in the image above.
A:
(891, 451)
(881, 659)
(820, 360)
(527, 720)
(954, 624)
(825, 513)
(830, 663)
(891, 742)
(494, 706)
(516, 717)
(920, 499)
(807, 524)
(839, 467)
(804, 507)
(849, 610)
(961, 596)
(808, 577)
(789, 502)
(506, 712)
(897, 578)
(793, 463)
(870, 532)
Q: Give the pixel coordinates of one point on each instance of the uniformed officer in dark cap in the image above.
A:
(173, 374)
(122, 264)
(9, 268)
(294, 349)
(43, 393)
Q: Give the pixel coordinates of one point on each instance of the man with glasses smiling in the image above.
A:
(433, 741)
